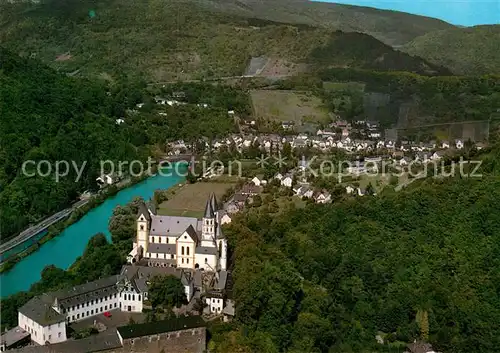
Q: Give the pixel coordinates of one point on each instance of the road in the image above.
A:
(40, 227)
(274, 77)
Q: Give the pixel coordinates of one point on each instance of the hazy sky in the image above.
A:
(459, 12)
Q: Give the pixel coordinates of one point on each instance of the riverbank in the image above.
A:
(57, 228)
(64, 249)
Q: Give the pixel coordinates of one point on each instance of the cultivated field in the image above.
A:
(190, 199)
(288, 106)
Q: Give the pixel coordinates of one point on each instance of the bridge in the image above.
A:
(30, 232)
(177, 158)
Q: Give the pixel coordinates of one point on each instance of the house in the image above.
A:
(250, 190)
(14, 338)
(304, 191)
(258, 182)
(459, 144)
(228, 311)
(361, 191)
(230, 112)
(404, 161)
(349, 189)
(232, 208)
(287, 125)
(437, 155)
(119, 121)
(224, 217)
(356, 168)
(322, 197)
(287, 181)
(445, 144)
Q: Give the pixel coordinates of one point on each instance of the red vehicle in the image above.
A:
(107, 314)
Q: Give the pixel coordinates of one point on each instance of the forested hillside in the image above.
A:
(466, 51)
(46, 116)
(163, 41)
(421, 264)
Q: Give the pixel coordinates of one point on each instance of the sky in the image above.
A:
(458, 12)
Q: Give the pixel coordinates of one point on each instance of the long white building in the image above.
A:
(45, 317)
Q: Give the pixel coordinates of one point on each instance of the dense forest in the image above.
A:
(47, 116)
(421, 264)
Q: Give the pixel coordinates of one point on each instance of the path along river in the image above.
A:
(63, 250)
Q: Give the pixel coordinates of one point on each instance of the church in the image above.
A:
(181, 242)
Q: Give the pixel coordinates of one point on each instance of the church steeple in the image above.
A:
(213, 202)
(209, 211)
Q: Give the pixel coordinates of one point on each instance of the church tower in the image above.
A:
(143, 224)
(208, 227)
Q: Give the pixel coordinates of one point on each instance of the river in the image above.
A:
(63, 250)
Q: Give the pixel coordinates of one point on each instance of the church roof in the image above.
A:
(162, 248)
(209, 211)
(192, 233)
(143, 210)
(171, 225)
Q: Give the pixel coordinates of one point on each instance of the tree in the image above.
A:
(166, 291)
(199, 305)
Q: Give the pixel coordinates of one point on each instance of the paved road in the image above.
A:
(40, 227)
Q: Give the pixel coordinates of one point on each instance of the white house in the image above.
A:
(349, 189)
(105, 179)
(45, 325)
(257, 181)
(287, 181)
(322, 197)
(459, 144)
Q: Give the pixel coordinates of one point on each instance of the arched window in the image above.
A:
(142, 227)
(159, 239)
(206, 260)
(153, 240)
(182, 251)
(167, 240)
(187, 250)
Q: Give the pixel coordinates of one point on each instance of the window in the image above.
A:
(153, 240)
(139, 297)
(167, 240)
(78, 306)
(171, 256)
(142, 227)
(115, 305)
(88, 313)
(159, 239)
(92, 312)
(77, 316)
(206, 260)
(59, 335)
(73, 318)
(105, 307)
(183, 260)
(187, 250)
(187, 260)
(182, 251)
(133, 296)
(50, 337)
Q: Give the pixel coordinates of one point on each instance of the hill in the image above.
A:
(466, 51)
(391, 27)
(170, 41)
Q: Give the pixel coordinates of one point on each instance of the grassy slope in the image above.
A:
(165, 41)
(464, 50)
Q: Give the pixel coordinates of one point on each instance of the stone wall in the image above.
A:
(185, 341)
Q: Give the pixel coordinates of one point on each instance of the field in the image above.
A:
(344, 86)
(288, 106)
(189, 200)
